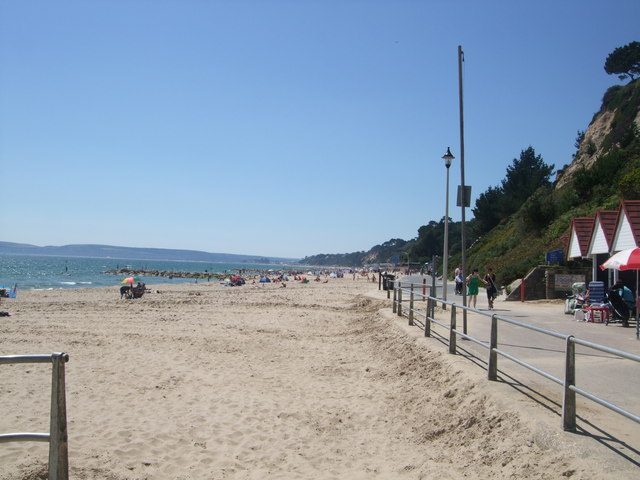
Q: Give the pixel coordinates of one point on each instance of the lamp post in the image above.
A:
(447, 157)
(463, 189)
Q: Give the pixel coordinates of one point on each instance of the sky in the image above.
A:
(282, 128)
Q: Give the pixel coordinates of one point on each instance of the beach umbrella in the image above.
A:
(131, 280)
(628, 259)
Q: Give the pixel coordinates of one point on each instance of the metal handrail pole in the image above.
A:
(605, 349)
(411, 307)
(24, 437)
(12, 359)
(452, 330)
(472, 339)
(606, 404)
(551, 333)
(492, 368)
(528, 366)
(569, 395)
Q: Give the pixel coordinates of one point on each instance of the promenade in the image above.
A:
(606, 376)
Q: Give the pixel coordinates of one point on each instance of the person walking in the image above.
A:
(490, 282)
(473, 283)
(459, 280)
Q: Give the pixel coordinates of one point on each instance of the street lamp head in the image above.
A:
(447, 158)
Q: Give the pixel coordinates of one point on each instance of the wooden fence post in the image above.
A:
(411, 306)
(58, 440)
(569, 396)
(492, 370)
(427, 322)
(452, 333)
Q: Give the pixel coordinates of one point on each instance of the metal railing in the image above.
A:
(57, 436)
(426, 317)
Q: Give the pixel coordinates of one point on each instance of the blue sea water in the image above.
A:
(51, 272)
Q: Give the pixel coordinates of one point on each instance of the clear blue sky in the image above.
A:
(281, 128)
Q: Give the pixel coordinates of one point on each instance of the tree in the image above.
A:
(624, 61)
(487, 211)
(524, 176)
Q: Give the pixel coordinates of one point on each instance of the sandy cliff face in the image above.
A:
(592, 146)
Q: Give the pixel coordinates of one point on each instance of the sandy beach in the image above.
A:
(311, 381)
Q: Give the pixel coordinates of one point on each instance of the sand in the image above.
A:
(313, 381)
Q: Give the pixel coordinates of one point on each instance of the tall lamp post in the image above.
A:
(447, 157)
(463, 194)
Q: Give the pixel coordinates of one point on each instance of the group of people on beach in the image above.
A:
(473, 285)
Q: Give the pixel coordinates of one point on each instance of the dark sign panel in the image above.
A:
(554, 256)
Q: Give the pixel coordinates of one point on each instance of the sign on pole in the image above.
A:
(467, 196)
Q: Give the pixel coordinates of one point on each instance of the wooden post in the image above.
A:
(492, 370)
(411, 306)
(427, 322)
(395, 305)
(569, 396)
(58, 441)
(399, 299)
(452, 333)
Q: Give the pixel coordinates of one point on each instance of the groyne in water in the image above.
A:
(247, 273)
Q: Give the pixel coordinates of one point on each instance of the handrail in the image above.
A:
(57, 436)
(569, 383)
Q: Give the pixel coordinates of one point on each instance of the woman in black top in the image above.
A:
(492, 291)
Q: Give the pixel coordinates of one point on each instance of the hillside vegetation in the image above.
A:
(512, 233)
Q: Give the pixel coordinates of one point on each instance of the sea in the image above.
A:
(54, 272)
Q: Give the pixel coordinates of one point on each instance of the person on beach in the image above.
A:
(490, 282)
(473, 283)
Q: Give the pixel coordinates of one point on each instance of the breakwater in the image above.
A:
(206, 275)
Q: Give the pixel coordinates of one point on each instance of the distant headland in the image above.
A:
(135, 253)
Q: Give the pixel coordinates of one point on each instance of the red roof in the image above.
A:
(583, 226)
(607, 220)
(632, 211)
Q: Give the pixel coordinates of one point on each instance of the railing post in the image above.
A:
(424, 289)
(492, 369)
(395, 299)
(452, 333)
(434, 288)
(433, 307)
(427, 322)
(399, 299)
(569, 396)
(58, 441)
(411, 306)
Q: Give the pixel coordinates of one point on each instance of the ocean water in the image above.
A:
(50, 272)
